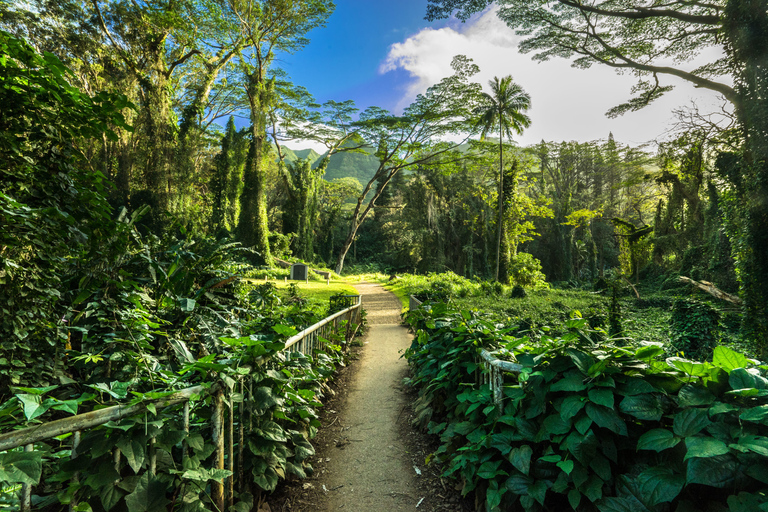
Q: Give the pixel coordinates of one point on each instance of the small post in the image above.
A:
(26, 489)
(231, 452)
(116, 458)
(73, 455)
(152, 457)
(241, 441)
(184, 445)
(218, 439)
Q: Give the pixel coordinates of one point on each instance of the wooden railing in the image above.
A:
(492, 369)
(306, 342)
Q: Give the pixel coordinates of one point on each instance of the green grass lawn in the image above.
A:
(314, 290)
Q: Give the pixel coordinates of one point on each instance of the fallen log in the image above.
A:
(712, 290)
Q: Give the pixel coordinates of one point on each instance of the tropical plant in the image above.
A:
(504, 109)
(588, 425)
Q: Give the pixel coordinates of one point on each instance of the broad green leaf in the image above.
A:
(757, 444)
(757, 414)
(701, 446)
(554, 425)
(196, 442)
(728, 359)
(518, 484)
(538, 491)
(110, 494)
(285, 330)
(582, 360)
(566, 466)
(658, 439)
(134, 453)
(493, 497)
(574, 498)
(691, 396)
(33, 406)
(690, 422)
(266, 480)
(187, 305)
(149, 495)
(583, 423)
(572, 381)
(521, 458)
(601, 396)
(34, 391)
(741, 378)
(660, 485)
(21, 467)
(601, 466)
(718, 471)
(69, 406)
(747, 392)
(490, 470)
(570, 406)
(606, 418)
(644, 407)
(688, 367)
(649, 351)
(635, 386)
(582, 446)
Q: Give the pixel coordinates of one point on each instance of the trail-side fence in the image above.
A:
(492, 369)
(222, 399)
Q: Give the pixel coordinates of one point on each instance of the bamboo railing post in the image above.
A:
(185, 444)
(152, 457)
(241, 427)
(231, 452)
(26, 489)
(75, 478)
(218, 440)
(116, 458)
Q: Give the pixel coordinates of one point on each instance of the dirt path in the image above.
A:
(372, 470)
(368, 457)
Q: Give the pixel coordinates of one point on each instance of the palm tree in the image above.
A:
(503, 109)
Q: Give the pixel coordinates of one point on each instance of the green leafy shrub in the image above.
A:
(525, 270)
(695, 329)
(591, 426)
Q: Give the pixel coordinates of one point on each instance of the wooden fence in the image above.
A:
(223, 434)
(492, 369)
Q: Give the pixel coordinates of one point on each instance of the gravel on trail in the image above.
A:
(369, 458)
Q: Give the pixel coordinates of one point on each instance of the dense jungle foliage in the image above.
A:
(589, 422)
(129, 217)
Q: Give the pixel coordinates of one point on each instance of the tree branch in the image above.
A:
(646, 13)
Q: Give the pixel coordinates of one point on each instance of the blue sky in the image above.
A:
(384, 53)
(342, 60)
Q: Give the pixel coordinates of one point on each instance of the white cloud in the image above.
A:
(567, 103)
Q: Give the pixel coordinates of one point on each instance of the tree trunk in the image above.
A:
(500, 226)
(253, 226)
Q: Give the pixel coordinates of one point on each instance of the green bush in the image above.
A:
(695, 329)
(525, 270)
(591, 426)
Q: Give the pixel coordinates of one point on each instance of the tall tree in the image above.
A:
(408, 140)
(269, 26)
(503, 110)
